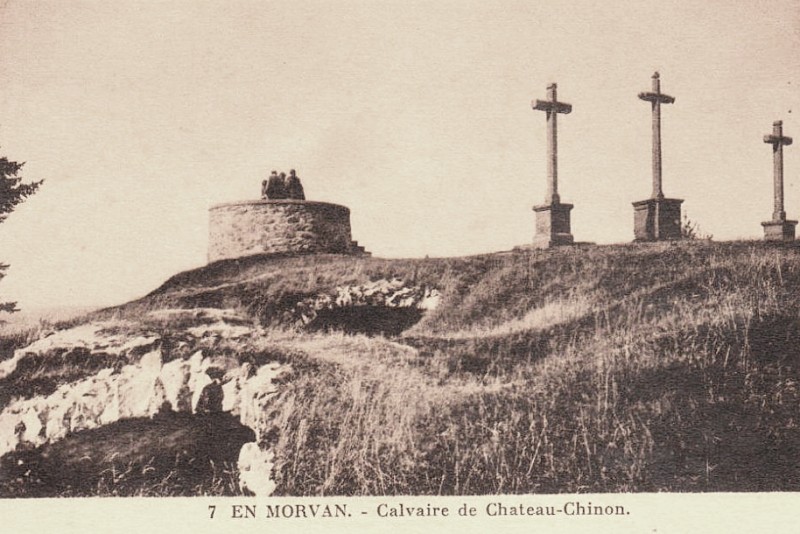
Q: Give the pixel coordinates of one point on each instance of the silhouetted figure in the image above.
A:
(264, 189)
(210, 400)
(275, 186)
(294, 189)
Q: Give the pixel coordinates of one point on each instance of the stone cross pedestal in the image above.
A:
(778, 229)
(657, 218)
(552, 217)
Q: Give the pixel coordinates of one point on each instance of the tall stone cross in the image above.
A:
(657, 218)
(552, 107)
(778, 141)
(553, 226)
(656, 98)
(779, 228)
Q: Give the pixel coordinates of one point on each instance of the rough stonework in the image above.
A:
(279, 226)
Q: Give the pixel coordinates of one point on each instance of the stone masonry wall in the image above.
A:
(265, 226)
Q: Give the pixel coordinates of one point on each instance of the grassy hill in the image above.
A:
(666, 367)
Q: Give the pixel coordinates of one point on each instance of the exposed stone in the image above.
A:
(95, 338)
(221, 330)
(145, 388)
(256, 392)
(33, 424)
(174, 379)
(136, 386)
(201, 315)
(256, 469)
(393, 293)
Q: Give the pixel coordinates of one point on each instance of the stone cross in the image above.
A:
(656, 98)
(552, 107)
(778, 141)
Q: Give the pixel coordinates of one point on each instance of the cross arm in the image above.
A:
(549, 106)
(778, 140)
(657, 97)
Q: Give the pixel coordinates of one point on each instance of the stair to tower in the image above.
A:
(358, 250)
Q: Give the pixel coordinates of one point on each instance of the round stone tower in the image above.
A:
(239, 229)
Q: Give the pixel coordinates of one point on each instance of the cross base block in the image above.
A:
(657, 219)
(552, 225)
(779, 230)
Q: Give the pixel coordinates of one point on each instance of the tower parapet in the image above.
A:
(291, 226)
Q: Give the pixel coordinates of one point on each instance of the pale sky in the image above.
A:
(416, 115)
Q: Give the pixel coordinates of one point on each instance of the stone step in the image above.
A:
(357, 249)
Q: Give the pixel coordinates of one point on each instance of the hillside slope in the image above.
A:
(668, 367)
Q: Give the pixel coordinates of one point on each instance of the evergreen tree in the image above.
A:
(12, 193)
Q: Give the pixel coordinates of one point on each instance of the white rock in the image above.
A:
(431, 301)
(223, 330)
(255, 469)
(231, 395)
(33, 425)
(255, 394)
(57, 425)
(158, 397)
(206, 314)
(175, 380)
(8, 434)
(7, 366)
(139, 390)
(136, 385)
(110, 412)
(91, 336)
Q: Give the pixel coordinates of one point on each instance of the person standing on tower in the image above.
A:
(275, 188)
(294, 189)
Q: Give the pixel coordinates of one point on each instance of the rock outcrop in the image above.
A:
(382, 306)
(150, 384)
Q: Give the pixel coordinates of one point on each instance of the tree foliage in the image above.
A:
(12, 193)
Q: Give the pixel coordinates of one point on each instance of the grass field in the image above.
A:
(666, 367)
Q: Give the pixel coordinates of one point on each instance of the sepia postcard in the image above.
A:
(372, 266)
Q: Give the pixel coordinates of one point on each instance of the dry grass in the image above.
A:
(602, 369)
(678, 372)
